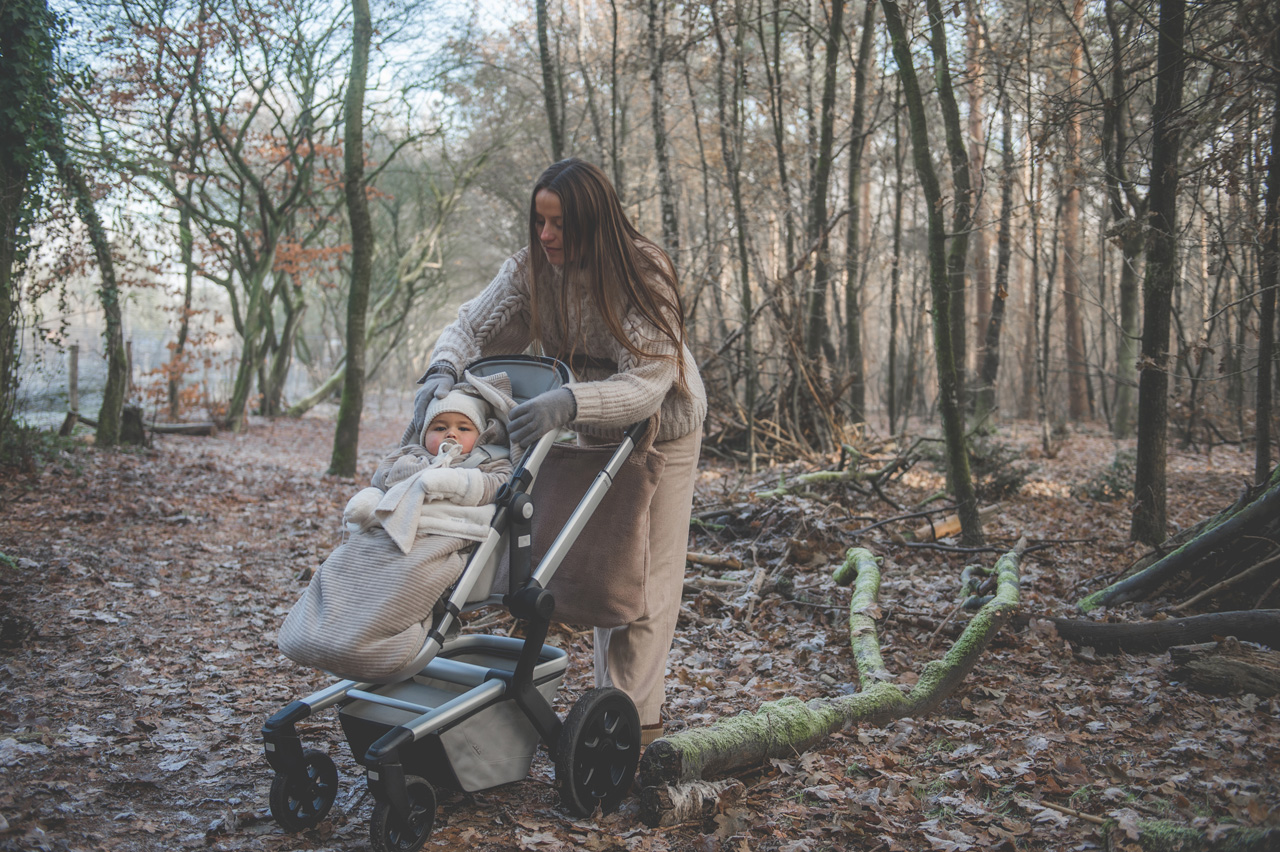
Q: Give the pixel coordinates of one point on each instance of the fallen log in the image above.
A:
(784, 728)
(1252, 526)
(700, 801)
(1166, 836)
(201, 429)
(712, 560)
(949, 525)
(1227, 668)
(1258, 625)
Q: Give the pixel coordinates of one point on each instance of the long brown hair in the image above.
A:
(620, 268)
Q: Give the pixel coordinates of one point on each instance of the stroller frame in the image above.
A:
(418, 728)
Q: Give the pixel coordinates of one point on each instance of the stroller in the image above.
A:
(469, 710)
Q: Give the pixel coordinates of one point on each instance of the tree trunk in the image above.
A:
(1149, 513)
(1127, 213)
(186, 245)
(857, 397)
(985, 401)
(961, 218)
(784, 728)
(666, 186)
(346, 437)
(549, 89)
(108, 432)
(819, 187)
(1269, 279)
(731, 146)
(778, 118)
(895, 275)
(1072, 274)
(982, 291)
(940, 269)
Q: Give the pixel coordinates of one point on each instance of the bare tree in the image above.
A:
(1149, 512)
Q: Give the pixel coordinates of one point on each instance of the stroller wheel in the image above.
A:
(300, 801)
(389, 834)
(598, 752)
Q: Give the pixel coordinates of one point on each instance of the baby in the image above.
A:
(367, 610)
(436, 466)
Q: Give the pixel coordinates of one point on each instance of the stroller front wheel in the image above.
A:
(389, 834)
(598, 752)
(300, 801)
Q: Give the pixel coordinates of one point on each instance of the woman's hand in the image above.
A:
(532, 419)
(435, 385)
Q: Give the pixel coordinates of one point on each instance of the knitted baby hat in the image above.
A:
(467, 404)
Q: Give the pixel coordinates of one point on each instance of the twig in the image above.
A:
(1073, 812)
(713, 561)
(1246, 574)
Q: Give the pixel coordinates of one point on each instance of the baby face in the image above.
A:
(451, 426)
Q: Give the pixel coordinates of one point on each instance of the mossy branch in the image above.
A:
(790, 726)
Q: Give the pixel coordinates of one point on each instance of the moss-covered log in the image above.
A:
(789, 726)
(1165, 836)
(835, 477)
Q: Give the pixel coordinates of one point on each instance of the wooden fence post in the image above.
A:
(73, 378)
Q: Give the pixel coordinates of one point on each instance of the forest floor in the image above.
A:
(142, 591)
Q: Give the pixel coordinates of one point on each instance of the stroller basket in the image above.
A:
(473, 737)
(470, 710)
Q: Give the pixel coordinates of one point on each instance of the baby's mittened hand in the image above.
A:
(359, 510)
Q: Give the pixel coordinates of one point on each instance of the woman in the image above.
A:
(591, 290)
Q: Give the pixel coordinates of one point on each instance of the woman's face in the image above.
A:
(549, 225)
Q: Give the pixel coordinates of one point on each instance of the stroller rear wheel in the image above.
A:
(598, 751)
(300, 801)
(389, 834)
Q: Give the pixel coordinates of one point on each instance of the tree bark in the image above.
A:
(549, 90)
(989, 371)
(789, 726)
(109, 426)
(853, 233)
(1150, 510)
(819, 187)
(1072, 275)
(961, 220)
(729, 107)
(941, 280)
(346, 438)
(657, 103)
(1227, 667)
(1270, 279)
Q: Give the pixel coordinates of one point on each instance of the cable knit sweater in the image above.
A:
(613, 388)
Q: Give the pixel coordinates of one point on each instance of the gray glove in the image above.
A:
(530, 420)
(436, 384)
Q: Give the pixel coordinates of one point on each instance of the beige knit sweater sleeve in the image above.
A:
(494, 323)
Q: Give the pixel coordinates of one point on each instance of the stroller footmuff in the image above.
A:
(469, 710)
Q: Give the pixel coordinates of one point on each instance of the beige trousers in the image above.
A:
(633, 657)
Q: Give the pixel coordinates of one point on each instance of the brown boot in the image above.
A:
(649, 733)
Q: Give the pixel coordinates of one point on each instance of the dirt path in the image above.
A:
(138, 662)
